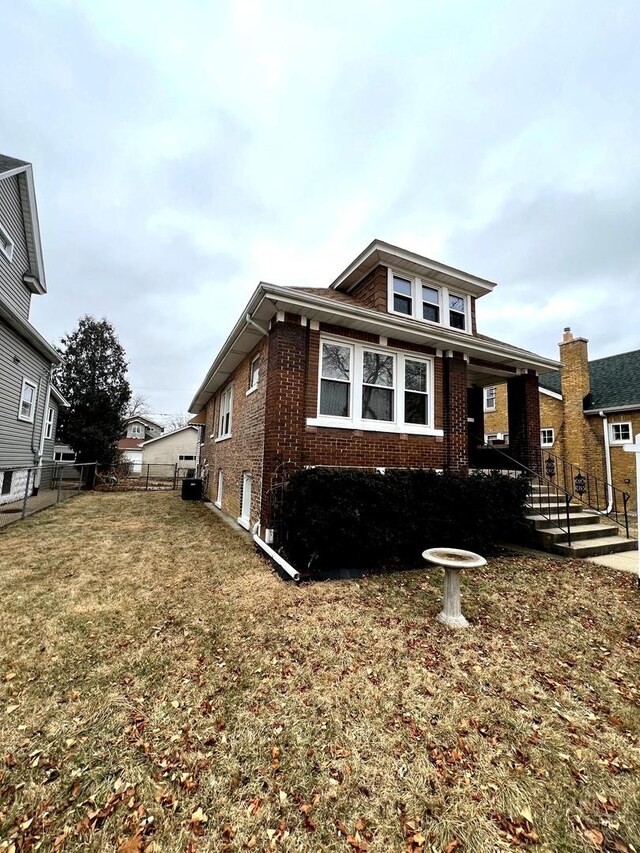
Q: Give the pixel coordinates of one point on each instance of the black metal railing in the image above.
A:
(594, 492)
(555, 499)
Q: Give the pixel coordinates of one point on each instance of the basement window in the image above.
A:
(7, 479)
(620, 433)
(6, 244)
(546, 437)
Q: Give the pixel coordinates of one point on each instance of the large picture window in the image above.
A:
(370, 388)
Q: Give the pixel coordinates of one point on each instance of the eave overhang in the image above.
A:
(29, 333)
(268, 300)
(35, 278)
(379, 252)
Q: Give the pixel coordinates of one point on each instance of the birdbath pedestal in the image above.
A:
(453, 560)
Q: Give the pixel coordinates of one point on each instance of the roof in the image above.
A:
(324, 305)
(614, 381)
(379, 252)
(143, 419)
(169, 434)
(129, 444)
(28, 332)
(9, 166)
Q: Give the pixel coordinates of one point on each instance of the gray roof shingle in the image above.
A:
(9, 163)
(615, 381)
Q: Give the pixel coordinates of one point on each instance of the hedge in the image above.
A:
(337, 518)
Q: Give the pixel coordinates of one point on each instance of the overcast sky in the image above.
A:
(185, 151)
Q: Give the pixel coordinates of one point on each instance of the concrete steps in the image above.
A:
(592, 534)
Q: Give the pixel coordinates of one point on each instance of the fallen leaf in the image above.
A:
(525, 811)
(595, 837)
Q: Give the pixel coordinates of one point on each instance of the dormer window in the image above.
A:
(6, 244)
(422, 299)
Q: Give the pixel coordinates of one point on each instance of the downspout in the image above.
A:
(607, 461)
(274, 555)
(47, 401)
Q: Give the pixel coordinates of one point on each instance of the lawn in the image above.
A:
(162, 689)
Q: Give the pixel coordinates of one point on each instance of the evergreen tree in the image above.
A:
(93, 378)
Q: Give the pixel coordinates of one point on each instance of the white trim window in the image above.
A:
(620, 432)
(220, 487)
(546, 437)
(425, 300)
(6, 244)
(245, 500)
(184, 458)
(136, 430)
(48, 429)
(224, 418)
(254, 374)
(489, 395)
(362, 386)
(28, 397)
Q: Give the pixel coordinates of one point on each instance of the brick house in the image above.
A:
(588, 411)
(383, 368)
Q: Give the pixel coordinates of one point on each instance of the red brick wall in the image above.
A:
(243, 451)
(524, 420)
(455, 414)
(372, 290)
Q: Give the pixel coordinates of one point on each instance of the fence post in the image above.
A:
(60, 470)
(80, 478)
(175, 476)
(26, 494)
(146, 488)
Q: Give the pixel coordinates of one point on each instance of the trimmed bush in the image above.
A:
(337, 518)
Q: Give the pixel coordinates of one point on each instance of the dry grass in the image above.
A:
(163, 690)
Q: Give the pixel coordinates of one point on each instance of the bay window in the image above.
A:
(362, 386)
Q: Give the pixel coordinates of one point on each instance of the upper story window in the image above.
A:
(546, 437)
(254, 373)
(423, 300)
(28, 396)
(365, 387)
(48, 429)
(224, 420)
(6, 244)
(620, 433)
(136, 430)
(490, 399)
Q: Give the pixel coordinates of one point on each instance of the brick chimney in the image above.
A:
(576, 385)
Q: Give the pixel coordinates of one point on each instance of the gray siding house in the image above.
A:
(29, 402)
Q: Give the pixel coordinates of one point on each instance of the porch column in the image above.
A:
(456, 437)
(524, 420)
(475, 428)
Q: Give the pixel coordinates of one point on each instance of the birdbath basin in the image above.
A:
(453, 560)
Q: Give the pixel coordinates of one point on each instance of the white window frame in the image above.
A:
(245, 500)
(220, 489)
(6, 244)
(226, 408)
(544, 443)
(485, 398)
(254, 374)
(620, 441)
(136, 430)
(416, 300)
(29, 419)
(48, 430)
(355, 419)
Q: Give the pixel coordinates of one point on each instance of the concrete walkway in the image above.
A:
(13, 511)
(626, 561)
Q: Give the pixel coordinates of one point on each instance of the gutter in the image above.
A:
(631, 407)
(607, 459)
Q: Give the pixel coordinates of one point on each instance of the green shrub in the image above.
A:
(337, 518)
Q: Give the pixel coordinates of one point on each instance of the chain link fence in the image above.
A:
(25, 490)
(152, 477)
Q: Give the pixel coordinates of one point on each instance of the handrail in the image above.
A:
(595, 492)
(542, 482)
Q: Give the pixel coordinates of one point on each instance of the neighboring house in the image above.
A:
(131, 453)
(29, 402)
(588, 411)
(141, 428)
(179, 447)
(384, 368)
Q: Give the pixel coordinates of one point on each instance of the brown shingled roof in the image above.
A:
(334, 295)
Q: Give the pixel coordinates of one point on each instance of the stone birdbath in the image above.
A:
(453, 560)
